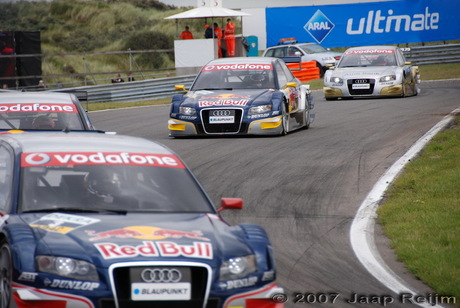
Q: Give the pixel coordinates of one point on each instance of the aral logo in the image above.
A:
(319, 26)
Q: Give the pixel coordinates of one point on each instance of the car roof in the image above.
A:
(81, 142)
(36, 97)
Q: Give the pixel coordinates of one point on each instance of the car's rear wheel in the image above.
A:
(5, 275)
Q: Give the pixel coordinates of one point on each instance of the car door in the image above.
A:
(285, 77)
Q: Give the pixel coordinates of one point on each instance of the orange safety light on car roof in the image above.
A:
(290, 40)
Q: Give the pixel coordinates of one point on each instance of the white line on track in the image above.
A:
(362, 228)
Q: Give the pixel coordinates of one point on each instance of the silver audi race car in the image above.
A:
(371, 71)
(255, 96)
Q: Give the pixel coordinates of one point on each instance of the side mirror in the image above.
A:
(298, 54)
(180, 87)
(230, 204)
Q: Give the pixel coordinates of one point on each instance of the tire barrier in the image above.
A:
(304, 71)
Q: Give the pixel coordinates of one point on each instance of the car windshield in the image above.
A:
(356, 59)
(313, 48)
(109, 188)
(226, 77)
(39, 117)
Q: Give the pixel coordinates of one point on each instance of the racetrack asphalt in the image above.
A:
(306, 188)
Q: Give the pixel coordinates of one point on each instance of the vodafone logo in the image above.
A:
(100, 158)
(36, 159)
(369, 51)
(63, 108)
(246, 66)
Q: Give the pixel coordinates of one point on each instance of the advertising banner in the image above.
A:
(358, 24)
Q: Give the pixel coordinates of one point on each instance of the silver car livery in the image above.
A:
(371, 71)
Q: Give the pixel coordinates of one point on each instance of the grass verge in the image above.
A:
(421, 214)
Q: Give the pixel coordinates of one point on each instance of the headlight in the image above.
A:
(387, 78)
(260, 109)
(67, 267)
(327, 58)
(187, 111)
(336, 80)
(238, 267)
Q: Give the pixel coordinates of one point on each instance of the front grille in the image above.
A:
(368, 91)
(222, 128)
(123, 279)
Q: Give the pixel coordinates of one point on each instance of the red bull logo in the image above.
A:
(227, 99)
(155, 249)
(145, 233)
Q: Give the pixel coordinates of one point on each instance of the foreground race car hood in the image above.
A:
(106, 239)
(360, 72)
(217, 98)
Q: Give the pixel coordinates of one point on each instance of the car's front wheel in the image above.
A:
(5, 275)
(321, 68)
(284, 119)
(404, 92)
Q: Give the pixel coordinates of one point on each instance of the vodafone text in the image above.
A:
(99, 158)
(246, 66)
(64, 108)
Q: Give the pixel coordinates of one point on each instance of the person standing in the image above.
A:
(218, 34)
(41, 85)
(186, 34)
(117, 79)
(229, 36)
(208, 32)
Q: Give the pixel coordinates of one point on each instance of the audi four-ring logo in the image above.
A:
(360, 81)
(221, 112)
(161, 275)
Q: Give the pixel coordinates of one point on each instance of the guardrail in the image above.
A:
(436, 54)
(131, 91)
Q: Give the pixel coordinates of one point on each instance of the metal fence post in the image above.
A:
(85, 68)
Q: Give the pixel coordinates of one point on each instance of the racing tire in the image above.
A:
(321, 68)
(307, 119)
(284, 120)
(5, 275)
(403, 90)
(415, 88)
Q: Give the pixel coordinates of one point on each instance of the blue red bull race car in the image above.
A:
(97, 221)
(235, 96)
